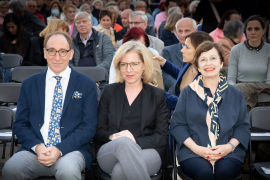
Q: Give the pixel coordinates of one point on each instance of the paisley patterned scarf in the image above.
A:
(212, 119)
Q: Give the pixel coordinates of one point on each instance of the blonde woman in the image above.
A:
(132, 129)
(34, 55)
(168, 34)
(70, 12)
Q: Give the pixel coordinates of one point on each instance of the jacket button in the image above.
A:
(40, 125)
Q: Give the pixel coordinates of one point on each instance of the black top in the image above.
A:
(31, 22)
(26, 39)
(132, 115)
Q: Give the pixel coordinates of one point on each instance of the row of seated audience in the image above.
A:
(191, 65)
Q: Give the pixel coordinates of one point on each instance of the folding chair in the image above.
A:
(11, 60)
(9, 92)
(259, 117)
(19, 74)
(98, 74)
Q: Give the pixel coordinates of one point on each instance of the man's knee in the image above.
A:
(69, 171)
(12, 170)
(124, 141)
(118, 172)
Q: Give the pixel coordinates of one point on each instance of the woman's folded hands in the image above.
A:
(125, 133)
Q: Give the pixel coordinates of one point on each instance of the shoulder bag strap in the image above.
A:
(215, 11)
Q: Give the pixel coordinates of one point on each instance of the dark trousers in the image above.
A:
(201, 169)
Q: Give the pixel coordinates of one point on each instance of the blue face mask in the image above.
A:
(55, 12)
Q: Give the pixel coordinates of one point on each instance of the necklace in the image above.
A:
(251, 47)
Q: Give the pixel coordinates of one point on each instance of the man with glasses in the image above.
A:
(42, 8)
(29, 21)
(56, 118)
(31, 6)
(139, 19)
(91, 47)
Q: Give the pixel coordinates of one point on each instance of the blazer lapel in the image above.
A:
(119, 103)
(41, 82)
(145, 104)
(73, 80)
(178, 54)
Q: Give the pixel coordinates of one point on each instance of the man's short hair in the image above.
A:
(81, 15)
(66, 35)
(31, 1)
(138, 2)
(194, 24)
(17, 6)
(141, 13)
(83, 6)
(112, 3)
(174, 10)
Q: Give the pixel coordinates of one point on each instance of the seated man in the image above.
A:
(125, 21)
(139, 19)
(31, 6)
(91, 47)
(172, 53)
(56, 118)
(28, 20)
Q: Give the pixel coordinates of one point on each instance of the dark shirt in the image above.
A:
(26, 39)
(150, 30)
(205, 12)
(95, 12)
(131, 116)
(87, 57)
(31, 22)
(45, 12)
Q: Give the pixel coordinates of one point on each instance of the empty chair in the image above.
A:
(9, 92)
(11, 60)
(19, 74)
(98, 74)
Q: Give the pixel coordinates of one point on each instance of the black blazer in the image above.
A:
(154, 124)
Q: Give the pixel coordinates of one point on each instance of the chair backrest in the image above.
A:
(9, 92)
(11, 60)
(263, 98)
(19, 74)
(259, 117)
(98, 74)
(7, 117)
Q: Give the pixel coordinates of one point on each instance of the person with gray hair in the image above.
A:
(31, 6)
(139, 19)
(176, 9)
(192, 7)
(86, 8)
(4, 9)
(91, 47)
(233, 32)
(29, 21)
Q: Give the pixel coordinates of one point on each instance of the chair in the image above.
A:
(9, 92)
(19, 74)
(171, 90)
(259, 171)
(258, 121)
(98, 74)
(11, 60)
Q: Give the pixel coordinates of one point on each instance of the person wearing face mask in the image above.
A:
(188, 72)
(56, 10)
(250, 61)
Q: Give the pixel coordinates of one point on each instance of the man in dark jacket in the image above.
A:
(29, 21)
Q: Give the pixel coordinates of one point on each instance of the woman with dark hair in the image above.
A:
(56, 10)
(249, 64)
(217, 34)
(104, 26)
(137, 34)
(188, 72)
(210, 123)
(14, 38)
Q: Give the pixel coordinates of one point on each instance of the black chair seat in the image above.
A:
(185, 177)
(259, 171)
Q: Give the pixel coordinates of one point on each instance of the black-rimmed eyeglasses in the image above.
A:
(62, 52)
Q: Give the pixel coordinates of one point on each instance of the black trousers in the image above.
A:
(201, 169)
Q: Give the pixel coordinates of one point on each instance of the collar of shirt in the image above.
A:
(64, 74)
(87, 38)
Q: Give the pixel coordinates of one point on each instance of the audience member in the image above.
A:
(250, 61)
(192, 7)
(91, 47)
(34, 55)
(98, 4)
(188, 72)
(31, 6)
(114, 4)
(104, 2)
(217, 34)
(105, 19)
(132, 128)
(76, 3)
(184, 5)
(29, 21)
(125, 21)
(129, 5)
(4, 9)
(86, 8)
(162, 16)
(159, 9)
(139, 19)
(94, 11)
(142, 6)
(233, 32)
(14, 38)
(114, 12)
(210, 152)
(122, 5)
(48, 149)
(138, 34)
(171, 10)
(43, 9)
(204, 11)
(56, 10)
(70, 12)
(169, 35)
(173, 53)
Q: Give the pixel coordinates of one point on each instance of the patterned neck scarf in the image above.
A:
(212, 119)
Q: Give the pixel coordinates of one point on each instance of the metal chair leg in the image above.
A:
(4, 150)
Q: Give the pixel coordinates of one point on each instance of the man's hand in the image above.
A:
(39, 149)
(51, 156)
